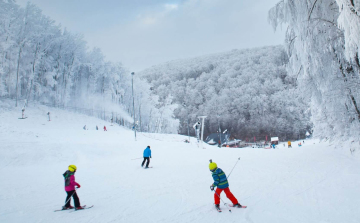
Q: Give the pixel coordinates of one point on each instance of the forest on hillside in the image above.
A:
(43, 62)
(312, 83)
(248, 92)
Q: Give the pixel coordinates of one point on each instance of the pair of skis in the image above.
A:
(230, 205)
(73, 209)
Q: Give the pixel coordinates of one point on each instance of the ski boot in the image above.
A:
(217, 207)
(66, 208)
(237, 205)
(79, 208)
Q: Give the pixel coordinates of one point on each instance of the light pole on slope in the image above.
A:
(187, 114)
(132, 89)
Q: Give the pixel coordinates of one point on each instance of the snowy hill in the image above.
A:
(248, 92)
(313, 183)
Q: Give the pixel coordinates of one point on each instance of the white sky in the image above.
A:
(142, 33)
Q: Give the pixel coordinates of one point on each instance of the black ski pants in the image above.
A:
(75, 197)
(147, 163)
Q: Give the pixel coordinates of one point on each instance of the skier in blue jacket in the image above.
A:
(147, 156)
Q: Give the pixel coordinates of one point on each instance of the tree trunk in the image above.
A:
(17, 75)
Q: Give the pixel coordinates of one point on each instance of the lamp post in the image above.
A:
(187, 114)
(218, 116)
(202, 127)
(132, 89)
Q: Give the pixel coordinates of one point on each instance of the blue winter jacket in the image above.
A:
(147, 152)
(220, 179)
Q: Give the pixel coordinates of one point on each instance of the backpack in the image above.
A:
(67, 176)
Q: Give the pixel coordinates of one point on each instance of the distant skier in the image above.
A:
(105, 128)
(49, 116)
(84, 127)
(147, 156)
(23, 112)
(220, 181)
(273, 145)
(197, 127)
(70, 184)
(97, 128)
(289, 144)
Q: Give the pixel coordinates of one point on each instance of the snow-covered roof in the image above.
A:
(232, 142)
(274, 139)
(211, 141)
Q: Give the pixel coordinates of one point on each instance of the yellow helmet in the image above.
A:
(72, 168)
(212, 166)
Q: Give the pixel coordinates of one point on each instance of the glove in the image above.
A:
(150, 157)
(212, 187)
(78, 185)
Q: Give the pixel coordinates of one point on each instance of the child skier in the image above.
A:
(105, 128)
(220, 181)
(147, 156)
(70, 184)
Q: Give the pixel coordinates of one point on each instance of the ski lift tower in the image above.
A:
(202, 127)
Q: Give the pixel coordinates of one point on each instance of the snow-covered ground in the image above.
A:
(317, 182)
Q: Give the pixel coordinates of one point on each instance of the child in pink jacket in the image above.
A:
(70, 184)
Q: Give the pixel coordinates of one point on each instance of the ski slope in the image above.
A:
(315, 183)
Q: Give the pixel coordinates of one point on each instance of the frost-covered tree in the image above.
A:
(322, 58)
(349, 21)
(41, 61)
(247, 92)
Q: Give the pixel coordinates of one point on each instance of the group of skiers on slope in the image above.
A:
(97, 128)
(299, 144)
(220, 182)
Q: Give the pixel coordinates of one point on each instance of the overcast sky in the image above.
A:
(142, 33)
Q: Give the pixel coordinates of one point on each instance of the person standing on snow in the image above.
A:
(289, 144)
(197, 127)
(147, 156)
(220, 181)
(70, 184)
(105, 128)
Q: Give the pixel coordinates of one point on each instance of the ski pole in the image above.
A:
(233, 168)
(225, 204)
(70, 196)
(137, 158)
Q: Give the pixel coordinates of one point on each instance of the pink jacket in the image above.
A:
(72, 184)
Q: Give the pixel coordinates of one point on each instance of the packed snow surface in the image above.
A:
(318, 182)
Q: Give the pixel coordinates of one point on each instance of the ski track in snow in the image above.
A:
(315, 183)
